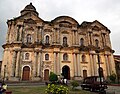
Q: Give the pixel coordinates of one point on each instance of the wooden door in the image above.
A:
(46, 75)
(84, 73)
(26, 73)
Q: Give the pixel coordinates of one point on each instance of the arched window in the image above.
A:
(83, 58)
(96, 43)
(27, 55)
(29, 38)
(47, 39)
(65, 57)
(64, 41)
(46, 56)
(81, 41)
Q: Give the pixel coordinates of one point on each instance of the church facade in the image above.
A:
(35, 47)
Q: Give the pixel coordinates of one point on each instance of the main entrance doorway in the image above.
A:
(26, 73)
(46, 74)
(84, 73)
(66, 72)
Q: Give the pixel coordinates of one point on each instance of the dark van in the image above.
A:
(93, 83)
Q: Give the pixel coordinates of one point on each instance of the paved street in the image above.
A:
(110, 90)
(113, 90)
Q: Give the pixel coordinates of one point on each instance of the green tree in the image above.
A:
(74, 84)
(112, 77)
(53, 77)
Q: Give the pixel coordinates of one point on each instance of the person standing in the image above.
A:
(4, 87)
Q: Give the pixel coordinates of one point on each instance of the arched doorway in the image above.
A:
(84, 73)
(46, 74)
(66, 72)
(101, 71)
(26, 73)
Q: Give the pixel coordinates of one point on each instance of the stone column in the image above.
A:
(95, 61)
(58, 61)
(21, 32)
(90, 33)
(73, 37)
(96, 65)
(17, 64)
(41, 64)
(37, 54)
(77, 37)
(91, 65)
(76, 63)
(75, 68)
(3, 63)
(40, 34)
(35, 64)
(79, 65)
(20, 65)
(59, 36)
(57, 65)
(38, 70)
(88, 38)
(109, 63)
(8, 34)
(14, 63)
(54, 36)
(104, 39)
(36, 34)
(17, 33)
(106, 65)
(55, 62)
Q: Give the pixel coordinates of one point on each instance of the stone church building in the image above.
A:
(35, 47)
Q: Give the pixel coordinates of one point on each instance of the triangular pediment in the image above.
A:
(30, 21)
(96, 25)
(31, 16)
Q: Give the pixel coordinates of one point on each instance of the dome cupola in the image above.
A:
(29, 8)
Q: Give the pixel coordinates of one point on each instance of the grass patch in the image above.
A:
(28, 90)
(41, 90)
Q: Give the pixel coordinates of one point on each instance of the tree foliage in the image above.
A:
(53, 77)
(74, 84)
(112, 77)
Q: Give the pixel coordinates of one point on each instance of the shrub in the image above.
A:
(53, 77)
(112, 77)
(55, 89)
(74, 84)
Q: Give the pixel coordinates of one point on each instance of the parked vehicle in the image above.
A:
(93, 83)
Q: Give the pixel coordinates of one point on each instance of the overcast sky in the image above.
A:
(105, 11)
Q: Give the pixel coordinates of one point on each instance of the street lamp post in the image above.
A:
(101, 91)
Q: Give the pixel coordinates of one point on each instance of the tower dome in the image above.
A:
(29, 8)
